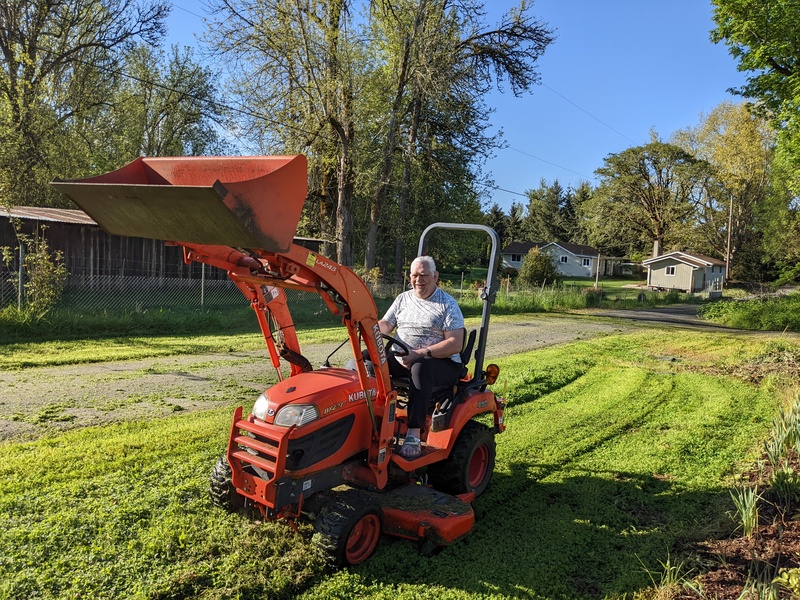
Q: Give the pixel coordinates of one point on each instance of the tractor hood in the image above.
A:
(243, 202)
(329, 390)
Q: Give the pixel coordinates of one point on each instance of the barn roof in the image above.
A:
(57, 215)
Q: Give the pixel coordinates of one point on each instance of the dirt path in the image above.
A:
(39, 400)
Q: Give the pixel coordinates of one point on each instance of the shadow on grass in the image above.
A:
(585, 536)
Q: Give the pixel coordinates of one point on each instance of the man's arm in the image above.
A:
(385, 327)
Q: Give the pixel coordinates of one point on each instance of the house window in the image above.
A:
(587, 262)
(565, 259)
(516, 257)
(670, 271)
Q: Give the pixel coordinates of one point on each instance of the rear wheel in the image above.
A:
(221, 488)
(470, 465)
(348, 528)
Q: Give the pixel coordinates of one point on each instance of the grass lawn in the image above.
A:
(618, 452)
(612, 286)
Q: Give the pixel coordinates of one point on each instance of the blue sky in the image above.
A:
(617, 69)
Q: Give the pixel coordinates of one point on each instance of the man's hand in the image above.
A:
(413, 356)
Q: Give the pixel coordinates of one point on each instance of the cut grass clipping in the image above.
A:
(616, 455)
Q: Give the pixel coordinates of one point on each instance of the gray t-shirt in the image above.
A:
(422, 322)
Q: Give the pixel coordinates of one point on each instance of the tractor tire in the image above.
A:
(348, 528)
(470, 465)
(221, 488)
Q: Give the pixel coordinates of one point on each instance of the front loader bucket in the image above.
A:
(247, 202)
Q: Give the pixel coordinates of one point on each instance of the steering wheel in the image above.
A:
(402, 349)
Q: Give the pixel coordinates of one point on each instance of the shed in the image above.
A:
(685, 271)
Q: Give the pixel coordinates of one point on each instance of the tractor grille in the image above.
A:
(262, 446)
(322, 443)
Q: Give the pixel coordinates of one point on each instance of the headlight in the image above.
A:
(260, 407)
(296, 414)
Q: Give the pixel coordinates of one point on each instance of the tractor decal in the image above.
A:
(361, 395)
(376, 330)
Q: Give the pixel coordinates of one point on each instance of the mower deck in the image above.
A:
(417, 512)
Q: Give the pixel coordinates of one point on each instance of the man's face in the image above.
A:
(423, 281)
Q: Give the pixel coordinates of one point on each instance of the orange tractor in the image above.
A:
(319, 444)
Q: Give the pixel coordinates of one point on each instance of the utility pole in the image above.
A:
(728, 249)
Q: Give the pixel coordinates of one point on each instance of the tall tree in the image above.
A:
(648, 195)
(166, 106)
(544, 221)
(497, 220)
(739, 146)
(59, 64)
(443, 50)
(764, 36)
(297, 68)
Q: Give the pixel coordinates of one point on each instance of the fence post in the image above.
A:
(21, 275)
(202, 284)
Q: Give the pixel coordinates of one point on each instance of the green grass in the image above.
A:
(88, 350)
(618, 452)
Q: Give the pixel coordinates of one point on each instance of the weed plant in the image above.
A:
(745, 501)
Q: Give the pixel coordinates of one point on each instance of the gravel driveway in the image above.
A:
(39, 400)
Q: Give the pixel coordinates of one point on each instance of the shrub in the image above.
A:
(46, 274)
(538, 268)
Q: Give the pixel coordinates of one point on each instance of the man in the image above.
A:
(429, 322)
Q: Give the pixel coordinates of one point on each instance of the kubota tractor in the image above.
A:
(319, 444)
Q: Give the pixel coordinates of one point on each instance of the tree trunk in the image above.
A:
(399, 249)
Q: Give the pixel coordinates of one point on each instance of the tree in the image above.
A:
(387, 107)
(441, 59)
(297, 72)
(739, 147)
(648, 195)
(497, 220)
(538, 268)
(764, 36)
(165, 107)
(544, 220)
(59, 64)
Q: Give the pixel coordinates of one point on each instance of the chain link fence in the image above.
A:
(132, 294)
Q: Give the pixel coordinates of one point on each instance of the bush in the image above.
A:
(538, 268)
(774, 314)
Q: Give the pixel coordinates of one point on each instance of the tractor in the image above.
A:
(321, 443)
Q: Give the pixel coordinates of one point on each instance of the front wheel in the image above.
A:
(348, 528)
(221, 488)
(470, 465)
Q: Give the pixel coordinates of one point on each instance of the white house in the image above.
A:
(572, 260)
(685, 271)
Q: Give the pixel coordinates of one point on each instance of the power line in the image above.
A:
(548, 162)
(562, 96)
(188, 11)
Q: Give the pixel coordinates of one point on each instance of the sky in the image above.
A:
(617, 70)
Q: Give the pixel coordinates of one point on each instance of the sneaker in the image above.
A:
(410, 447)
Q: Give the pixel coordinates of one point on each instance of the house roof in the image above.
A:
(690, 258)
(521, 247)
(576, 249)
